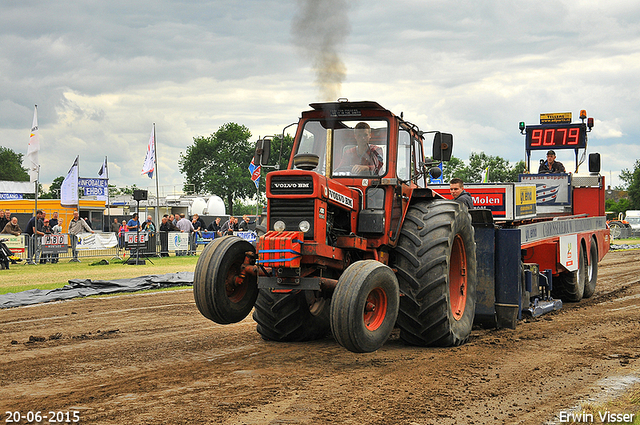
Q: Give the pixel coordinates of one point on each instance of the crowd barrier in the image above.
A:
(52, 248)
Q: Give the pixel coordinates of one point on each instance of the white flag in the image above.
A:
(103, 173)
(69, 188)
(149, 161)
(31, 160)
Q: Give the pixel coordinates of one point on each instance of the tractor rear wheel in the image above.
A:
(436, 263)
(615, 228)
(570, 286)
(221, 292)
(592, 271)
(364, 306)
(291, 316)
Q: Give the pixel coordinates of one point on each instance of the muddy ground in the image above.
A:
(152, 358)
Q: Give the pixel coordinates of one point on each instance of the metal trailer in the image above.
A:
(356, 243)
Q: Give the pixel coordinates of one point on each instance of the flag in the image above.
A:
(255, 173)
(69, 188)
(485, 175)
(104, 173)
(31, 160)
(149, 161)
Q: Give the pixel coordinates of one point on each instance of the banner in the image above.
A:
(10, 196)
(149, 161)
(16, 187)
(69, 187)
(14, 243)
(94, 187)
(56, 243)
(103, 173)
(178, 241)
(97, 240)
(31, 160)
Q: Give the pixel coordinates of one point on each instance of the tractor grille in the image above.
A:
(292, 212)
(292, 185)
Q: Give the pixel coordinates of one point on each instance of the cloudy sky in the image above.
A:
(102, 73)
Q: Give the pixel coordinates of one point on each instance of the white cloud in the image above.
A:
(102, 73)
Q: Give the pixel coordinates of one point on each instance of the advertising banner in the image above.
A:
(14, 243)
(97, 241)
(56, 243)
(178, 241)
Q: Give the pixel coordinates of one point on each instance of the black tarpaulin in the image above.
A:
(86, 287)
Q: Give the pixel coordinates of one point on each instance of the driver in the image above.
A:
(366, 158)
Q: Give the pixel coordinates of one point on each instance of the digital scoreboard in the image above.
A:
(556, 136)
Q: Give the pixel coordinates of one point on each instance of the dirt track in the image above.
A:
(150, 359)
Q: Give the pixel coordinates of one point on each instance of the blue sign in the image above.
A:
(83, 182)
(10, 196)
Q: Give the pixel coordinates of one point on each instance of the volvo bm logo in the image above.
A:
(291, 185)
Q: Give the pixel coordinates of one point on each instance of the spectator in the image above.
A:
(244, 224)
(230, 226)
(456, 186)
(165, 227)
(215, 227)
(46, 230)
(12, 227)
(115, 226)
(54, 219)
(133, 225)
(197, 223)
(121, 233)
(56, 229)
(31, 240)
(148, 225)
(3, 221)
(7, 215)
(76, 226)
(185, 226)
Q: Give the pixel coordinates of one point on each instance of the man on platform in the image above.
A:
(76, 226)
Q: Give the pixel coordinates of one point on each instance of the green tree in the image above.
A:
(631, 178)
(499, 169)
(11, 168)
(219, 164)
(54, 189)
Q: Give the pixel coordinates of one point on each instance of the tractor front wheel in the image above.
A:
(364, 306)
(436, 263)
(592, 270)
(224, 292)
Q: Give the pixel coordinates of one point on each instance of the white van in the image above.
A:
(633, 218)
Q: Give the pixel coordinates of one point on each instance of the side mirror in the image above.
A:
(594, 162)
(263, 151)
(442, 146)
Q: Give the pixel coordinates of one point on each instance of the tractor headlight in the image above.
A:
(304, 226)
(279, 226)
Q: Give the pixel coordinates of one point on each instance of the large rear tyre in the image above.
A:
(436, 263)
(615, 229)
(592, 271)
(570, 286)
(292, 316)
(221, 293)
(364, 306)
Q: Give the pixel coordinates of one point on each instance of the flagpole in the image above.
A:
(37, 171)
(155, 158)
(108, 202)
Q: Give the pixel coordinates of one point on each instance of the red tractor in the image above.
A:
(355, 244)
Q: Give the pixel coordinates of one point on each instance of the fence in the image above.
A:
(62, 246)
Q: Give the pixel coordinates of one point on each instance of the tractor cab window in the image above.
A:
(409, 159)
(359, 148)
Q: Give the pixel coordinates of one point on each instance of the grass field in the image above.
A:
(21, 277)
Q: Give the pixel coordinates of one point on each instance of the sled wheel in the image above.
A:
(436, 263)
(570, 286)
(221, 293)
(592, 270)
(291, 316)
(364, 306)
